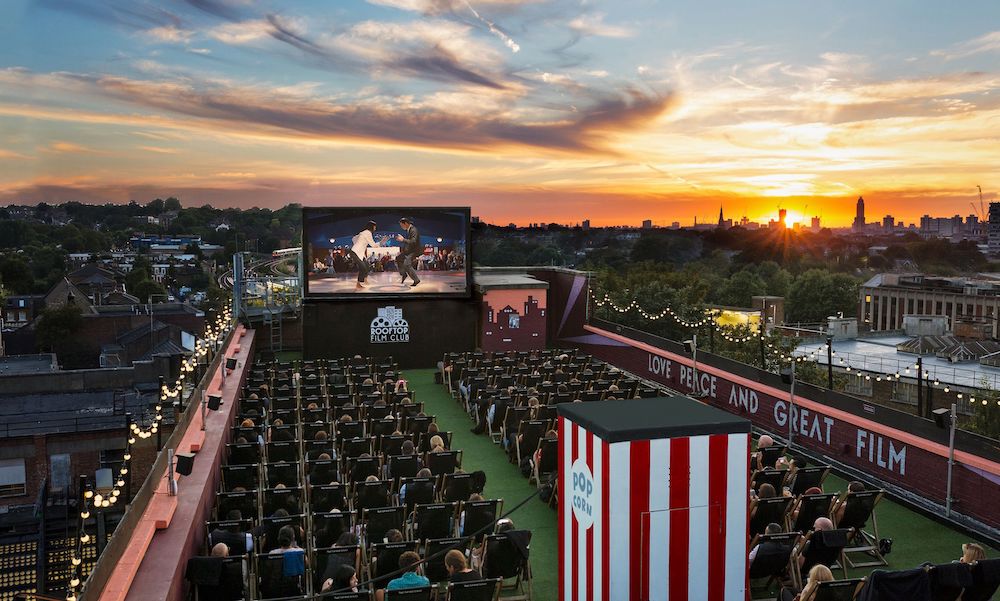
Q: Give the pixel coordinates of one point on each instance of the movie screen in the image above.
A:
(386, 252)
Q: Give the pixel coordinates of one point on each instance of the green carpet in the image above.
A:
(503, 480)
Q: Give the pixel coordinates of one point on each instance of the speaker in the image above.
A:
(786, 376)
(231, 363)
(185, 463)
(942, 417)
(689, 347)
(214, 402)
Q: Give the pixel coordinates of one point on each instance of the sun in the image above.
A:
(794, 217)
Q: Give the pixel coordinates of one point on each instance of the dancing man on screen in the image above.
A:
(359, 250)
(411, 247)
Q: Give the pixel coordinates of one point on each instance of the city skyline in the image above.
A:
(527, 110)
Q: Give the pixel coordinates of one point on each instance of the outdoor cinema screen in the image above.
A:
(364, 252)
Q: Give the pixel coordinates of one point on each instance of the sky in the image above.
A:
(526, 110)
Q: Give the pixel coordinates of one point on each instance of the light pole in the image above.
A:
(951, 457)
(789, 378)
(691, 346)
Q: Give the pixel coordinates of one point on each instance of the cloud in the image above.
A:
(230, 10)
(241, 32)
(216, 104)
(159, 149)
(169, 33)
(67, 147)
(440, 7)
(989, 42)
(593, 25)
(10, 154)
(125, 13)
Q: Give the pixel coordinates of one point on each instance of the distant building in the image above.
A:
(888, 223)
(783, 218)
(859, 216)
(993, 229)
(647, 224)
(676, 225)
(886, 299)
(815, 224)
(586, 224)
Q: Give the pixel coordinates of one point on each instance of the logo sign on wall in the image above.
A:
(583, 494)
(389, 326)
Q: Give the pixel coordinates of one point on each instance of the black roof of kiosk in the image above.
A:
(651, 419)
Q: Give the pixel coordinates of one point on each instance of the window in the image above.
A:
(859, 385)
(12, 478)
(515, 321)
(59, 469)
(904, 392)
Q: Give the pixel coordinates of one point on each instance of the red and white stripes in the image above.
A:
(652, 520)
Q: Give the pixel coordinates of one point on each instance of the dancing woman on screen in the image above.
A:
(359, 250)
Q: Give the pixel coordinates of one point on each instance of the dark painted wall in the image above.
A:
(417, 333)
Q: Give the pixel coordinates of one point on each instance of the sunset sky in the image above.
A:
(527, 110)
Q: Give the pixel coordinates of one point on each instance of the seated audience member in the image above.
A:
(345, 579)
(772, 528)
(854, 486)
(410, 563)
(420, 488)
(813, 490)
(972, 552)
(821, 524)
(766, 491)
(458, 569)
(818, 573)
(240, 542)
(287, 542)
(388, 557)
(220, 550)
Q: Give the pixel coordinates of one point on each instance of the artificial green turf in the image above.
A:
(503, 480)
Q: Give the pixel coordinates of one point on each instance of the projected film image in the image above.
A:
(380, 251)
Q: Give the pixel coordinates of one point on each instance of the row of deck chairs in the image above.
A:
(352, 480)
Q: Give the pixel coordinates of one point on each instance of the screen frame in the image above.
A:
(308, 296)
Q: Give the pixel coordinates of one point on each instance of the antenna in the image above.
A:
(982, 207)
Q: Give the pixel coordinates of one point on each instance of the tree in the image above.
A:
(171, 204)
(818, 294)
(739, 288)
(141, 270)
(144, 289)
(15, 275)
(57, 325)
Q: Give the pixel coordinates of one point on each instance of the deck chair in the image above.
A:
(474, 590)
(808, 477)
(985, 580)
(839, 590)
(811, 507)
(773, 559)
(479, 515)
(275, 579)
(542, 470)
(859, 509)
(455, 487)
(530, 433)
(410, 594)
(244, 476)
(766, 511)
(245, 501)
(418, 490)
(362, 595)
(775, 478)
(348, 555)
(244, 454)
(433, 521)
(403, 466)
(880, 584)
(220, 578)
(383, 560)
(820, 547)
(359, 468)
(443, 462)
(949, 581)
(327, 497)
(506, 557)
(281, 473)
(769, 456)
(369, 495)
(327, 528)
(434, 570)
(380, 520)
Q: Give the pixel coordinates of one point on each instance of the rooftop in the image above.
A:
(28, 364)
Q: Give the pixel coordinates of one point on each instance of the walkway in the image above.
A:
(503, 480)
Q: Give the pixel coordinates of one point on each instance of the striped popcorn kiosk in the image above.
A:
(653, 501)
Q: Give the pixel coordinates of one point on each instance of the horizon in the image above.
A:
(526, 110)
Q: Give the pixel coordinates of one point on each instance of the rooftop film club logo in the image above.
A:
(389, 326)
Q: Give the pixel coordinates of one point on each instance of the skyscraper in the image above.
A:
(859, 218)
(993, 229)
(782, 216)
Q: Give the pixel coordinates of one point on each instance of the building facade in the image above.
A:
(886, 299)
